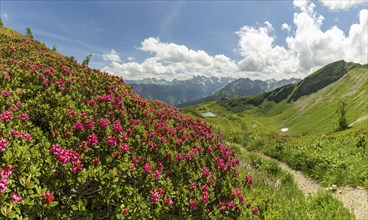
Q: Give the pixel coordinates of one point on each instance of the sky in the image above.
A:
(181, 39)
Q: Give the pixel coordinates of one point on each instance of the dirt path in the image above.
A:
(354, 199)
(365, 117)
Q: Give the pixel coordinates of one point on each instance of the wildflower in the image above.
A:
(90, 124)
(125, 211)
(16, 197)
(205, 171)
(96, 161)
(23, 117)
(179, 157)
(78, 126)
(192, 204)
(117, 127)
(3, 144)
(147, 167)
(49, 197)
(168, 201)
(104, 123)
(205, 196)
(91, 102)
(5, 93)
(249, 179)
(92, 139)
(209, 150)
(193, 186)
(255, 210)
(124, 148)
(157, 174)
(155, 196)
(6, 116)
(3, 186)
(111, 141)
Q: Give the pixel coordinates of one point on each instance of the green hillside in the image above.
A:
(311, 143)
(310, 113)
(76, 143)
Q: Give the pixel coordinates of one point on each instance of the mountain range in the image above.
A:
(201, 88)
(179, 91)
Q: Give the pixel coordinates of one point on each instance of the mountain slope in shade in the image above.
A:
(243, 87)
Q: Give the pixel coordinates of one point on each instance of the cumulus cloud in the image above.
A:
(285, 27)
(307, 49)
(112, 56)
(335, 5)
(171, 60)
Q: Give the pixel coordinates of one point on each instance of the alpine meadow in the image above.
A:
(184, 110)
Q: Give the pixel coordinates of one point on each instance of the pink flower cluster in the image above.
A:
(6, 116)
(21, 134)
(156, 194)
(5, 172)
(3, 144)
(249, 179)
(64, 156)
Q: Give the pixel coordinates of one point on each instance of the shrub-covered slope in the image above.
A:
(77, 143)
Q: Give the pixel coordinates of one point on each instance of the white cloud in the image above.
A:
(285, 27)
(306, 50)
(112, 56)
(171, 60)
(335, 5)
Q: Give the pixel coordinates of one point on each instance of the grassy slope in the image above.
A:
(312, 114)
(336, 158)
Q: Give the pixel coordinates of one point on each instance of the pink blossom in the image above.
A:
(157, 174)
(249, 179)
(110, 140)
(92, 139)
(16, 197)
(6, 171)
(23, 117)
(104, 123)
(5, 93)
(205, 171)
(91, 102)
(193, 186)
(78, 126)
(117, 127)
(3, 144)
(147, 167)
(168, 201)
(192, 203)
(255, 210)
(49, 197)
(209, 150)
(90, 124)
(179, 157)
(205, 196)
(6, 116)
(124, 148)
(3, 186)
(155, 196)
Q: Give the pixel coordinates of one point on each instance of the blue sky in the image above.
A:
(178, 39)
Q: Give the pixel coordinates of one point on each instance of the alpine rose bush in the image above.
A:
(76, 143)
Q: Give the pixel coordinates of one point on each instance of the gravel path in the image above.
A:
(354, 199)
